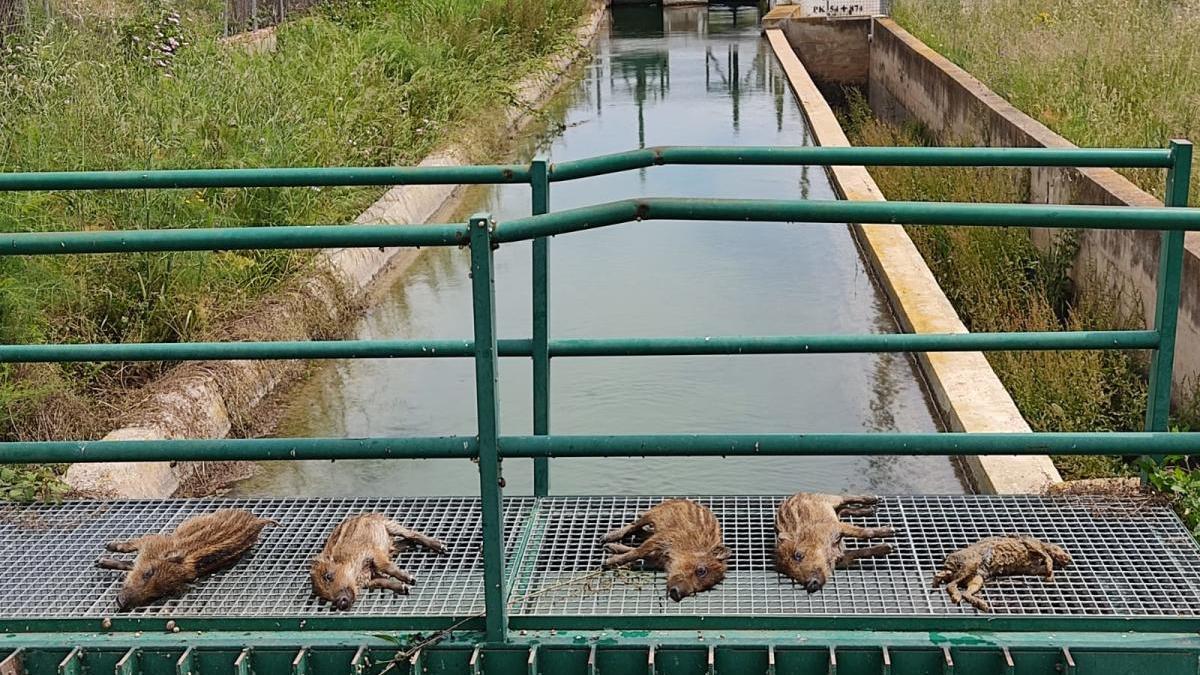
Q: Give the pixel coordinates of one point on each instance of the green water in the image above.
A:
(683, 76)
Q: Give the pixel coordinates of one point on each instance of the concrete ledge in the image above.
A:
(214, 399)
(966, 388)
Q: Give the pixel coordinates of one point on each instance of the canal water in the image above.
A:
(700, 76)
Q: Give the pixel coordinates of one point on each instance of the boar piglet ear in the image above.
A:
(175, 556)
(783, 536)
(721, 552)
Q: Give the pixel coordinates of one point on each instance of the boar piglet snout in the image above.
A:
(358, 555)
(810, 533)
(167, 563)
(689, 573)
(678, 536)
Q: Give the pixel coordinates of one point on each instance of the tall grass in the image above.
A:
(357, 82)
(1112, 73)
(1000, 282)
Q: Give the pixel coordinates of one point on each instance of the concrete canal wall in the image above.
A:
(967, 390)
(906, 80)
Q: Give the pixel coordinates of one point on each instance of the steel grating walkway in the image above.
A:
(1131, 560)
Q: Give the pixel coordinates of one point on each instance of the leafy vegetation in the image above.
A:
(1180, 480)
(355, 82)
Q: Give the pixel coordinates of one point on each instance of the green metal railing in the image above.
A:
(482, 234)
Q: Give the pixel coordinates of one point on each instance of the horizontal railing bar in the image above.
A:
(854, 444)
(251, 178)
(851, 344)
(231, 239)
(623, 161)
(864, 156)
(206, 351)
(600, 215)
(837, 211)
(580, 347)
(735, 445)
(238, 449)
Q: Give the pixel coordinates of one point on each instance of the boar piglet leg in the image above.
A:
(129, 546)
(969, 592)
(864, 511)
(397, 530)
(114, 564)
(392, 570)
(632, 555)
(868, 552)
(856, 532)
(638, 526)
(390, 584)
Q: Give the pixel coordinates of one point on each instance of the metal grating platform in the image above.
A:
(48, 554)
(1131, 560)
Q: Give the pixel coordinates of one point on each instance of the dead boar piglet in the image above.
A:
(678, 536)
(810, 536)
(358, 554)
(199, 546)
(993, 558)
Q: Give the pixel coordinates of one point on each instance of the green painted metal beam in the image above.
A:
(259, 178)
(836, 211)
(852, 444)
(847, 344)
(659, 653)
(231, 239)
(487, 400)
(1169, 287)
(855, 156)
(681, 445)
(580, 347)
(540, 183)
(239, 449)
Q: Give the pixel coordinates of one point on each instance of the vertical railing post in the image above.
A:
(540, 182)
(483, 292)
(1166, 308)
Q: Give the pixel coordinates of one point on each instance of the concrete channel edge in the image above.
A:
(967, 391)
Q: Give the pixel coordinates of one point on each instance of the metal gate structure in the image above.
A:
(517, 593)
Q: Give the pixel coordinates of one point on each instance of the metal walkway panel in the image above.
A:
(1130, 559)
(49, 551)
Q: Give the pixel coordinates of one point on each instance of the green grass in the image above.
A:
(355, 82)
(999, 282)
(1107, 73)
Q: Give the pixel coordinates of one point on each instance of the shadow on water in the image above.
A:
(699, 76)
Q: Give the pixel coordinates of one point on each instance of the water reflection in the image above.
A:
(683, 76)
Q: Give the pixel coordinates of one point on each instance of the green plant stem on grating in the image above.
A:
(352, 82)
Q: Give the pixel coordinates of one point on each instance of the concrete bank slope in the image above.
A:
(214, 399)
(967, 390)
